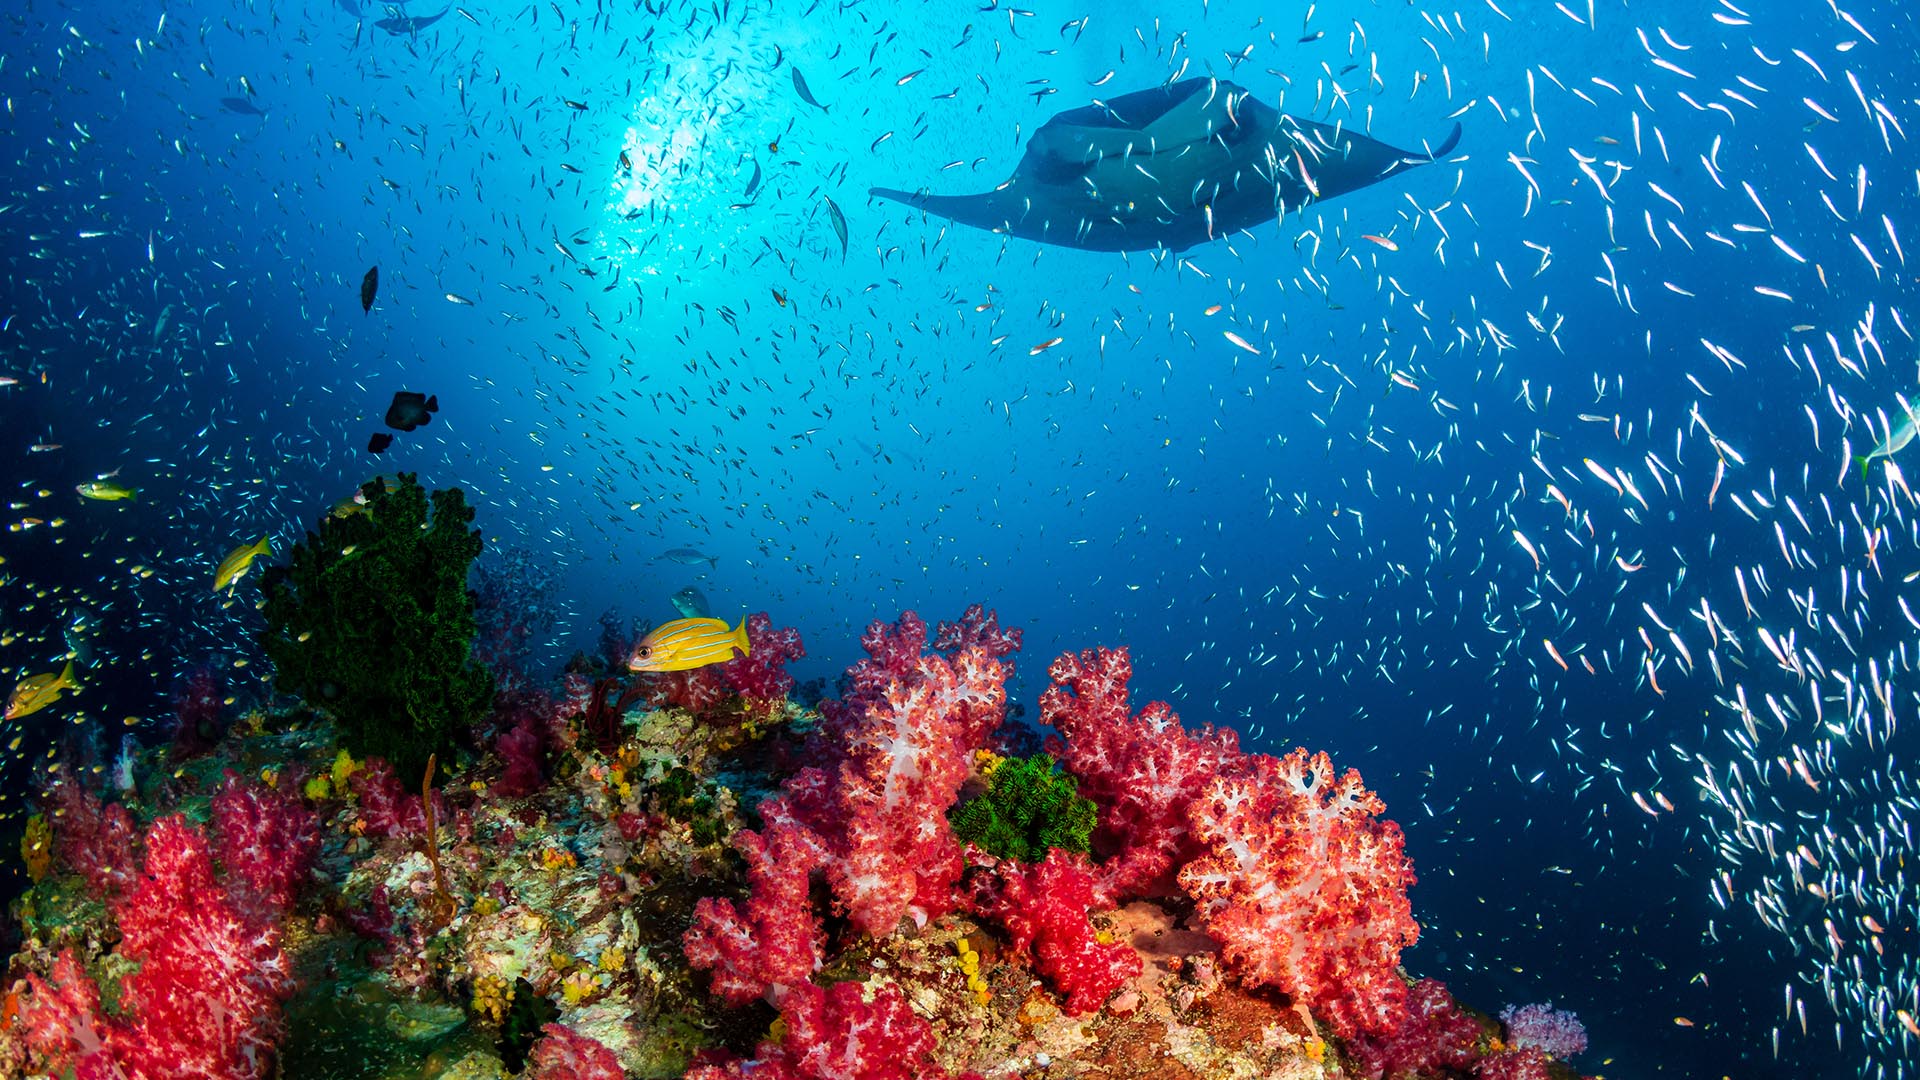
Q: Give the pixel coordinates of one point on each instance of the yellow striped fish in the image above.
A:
(684, 644)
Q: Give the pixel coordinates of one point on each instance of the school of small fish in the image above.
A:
(1605, 411)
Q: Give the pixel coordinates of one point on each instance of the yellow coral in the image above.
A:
(613, 959)
(985, 761)
(36, 846)
(557, 858)
(1317, 1049)
(490, 998)
(579, 986)
(318, 788)
(486, 905)
(343, 767)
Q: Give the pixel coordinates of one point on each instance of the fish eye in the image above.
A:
(645, 651)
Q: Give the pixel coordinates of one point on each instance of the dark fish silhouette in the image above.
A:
(410, 410)
(1169, 168)
(369, 286)
(410, 24)
(243, 107)
(351, 7)
(379, 443)
(806, 95)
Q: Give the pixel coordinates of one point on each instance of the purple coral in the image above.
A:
(1543, 1027)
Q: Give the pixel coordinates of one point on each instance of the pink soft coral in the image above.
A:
(899, 754)
(1144, 769)
(267, 841)
(978, 627)
(526, 720)
(1305, 887)
(1527, 1064)
(1044, 908)
(1435, 1037)
(761, 675)
(836, 1034)
(871, 813)
(206, 999)
(96, 839)
(770, 941)
(564, 1054)
(387, 807)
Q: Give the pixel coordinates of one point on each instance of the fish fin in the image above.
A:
(433, 403)
(740, 637)
(265, 545)
(66, 675)
(1864, 478)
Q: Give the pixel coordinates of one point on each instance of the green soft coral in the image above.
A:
(1029, 807)
(372, 621)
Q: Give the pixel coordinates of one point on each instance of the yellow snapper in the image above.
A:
(36, 692)
(684, 644)
(238, 562)
(106, 491)
(1899, 434)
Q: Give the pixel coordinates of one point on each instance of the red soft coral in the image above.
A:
(836, 1034)
(268, 839)
(1435, 1036)
(387, 808)
(1305, 887)
(1144, 770)
(903, 756)
(526, 720)
(96, 840)
(1527, 1064)
(564, 1054)
(696, 690)
(871, 814)
(978, 627)
(61, 1021)
(1044, 908)
(770, 940)
(205, 1001)
(761, 675)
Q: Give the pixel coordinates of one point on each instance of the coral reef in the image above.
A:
(699, 877)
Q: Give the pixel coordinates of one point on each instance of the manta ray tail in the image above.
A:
(1445, 148)
(985, 211)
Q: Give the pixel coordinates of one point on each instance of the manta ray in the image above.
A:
(410, 24)
(1171, 167)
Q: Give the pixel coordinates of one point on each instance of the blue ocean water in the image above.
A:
(1639, 321)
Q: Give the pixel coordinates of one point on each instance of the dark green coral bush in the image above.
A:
(1029, 807)
(372, 622)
